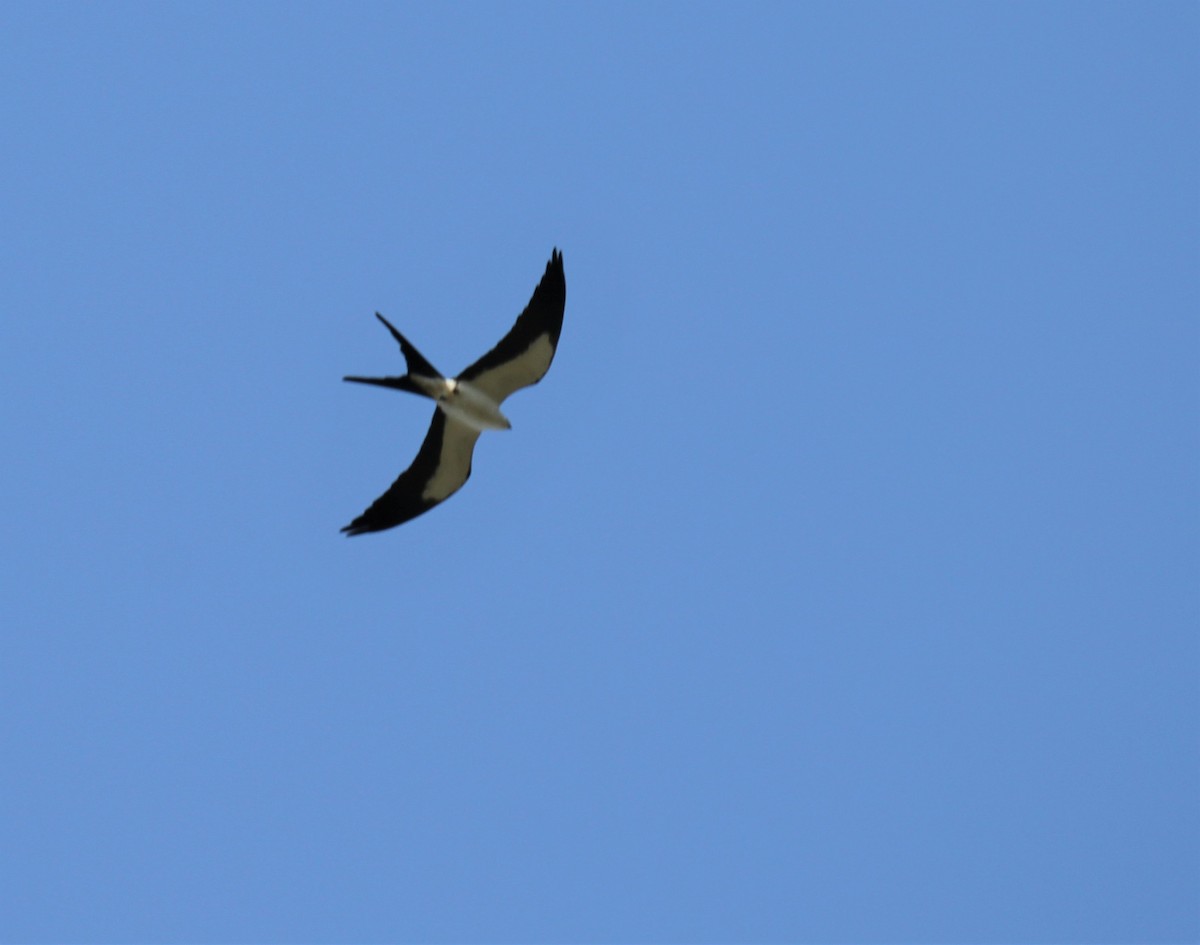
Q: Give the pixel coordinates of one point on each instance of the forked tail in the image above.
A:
(413, 358)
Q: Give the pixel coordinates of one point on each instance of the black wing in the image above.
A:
(523, 356)
(442, 465)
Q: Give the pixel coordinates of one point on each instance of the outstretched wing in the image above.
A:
(442, 465)
(523, 356)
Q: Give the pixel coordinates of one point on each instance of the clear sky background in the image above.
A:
(839, 583)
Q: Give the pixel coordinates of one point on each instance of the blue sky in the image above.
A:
(839, 583)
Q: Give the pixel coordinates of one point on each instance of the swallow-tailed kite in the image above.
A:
(466, 405)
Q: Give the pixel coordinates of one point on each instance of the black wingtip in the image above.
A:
(360, 526)
(555, 267)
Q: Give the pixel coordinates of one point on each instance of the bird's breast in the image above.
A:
(470, 405)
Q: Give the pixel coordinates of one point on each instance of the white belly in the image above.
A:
(471, 406)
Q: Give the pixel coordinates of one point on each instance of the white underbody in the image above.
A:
(465, 403)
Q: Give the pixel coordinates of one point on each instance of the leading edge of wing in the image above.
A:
(441, 467)
(542, 318)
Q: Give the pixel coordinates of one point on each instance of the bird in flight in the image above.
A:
(466, 405)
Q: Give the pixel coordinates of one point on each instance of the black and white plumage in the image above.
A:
(467, 404)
